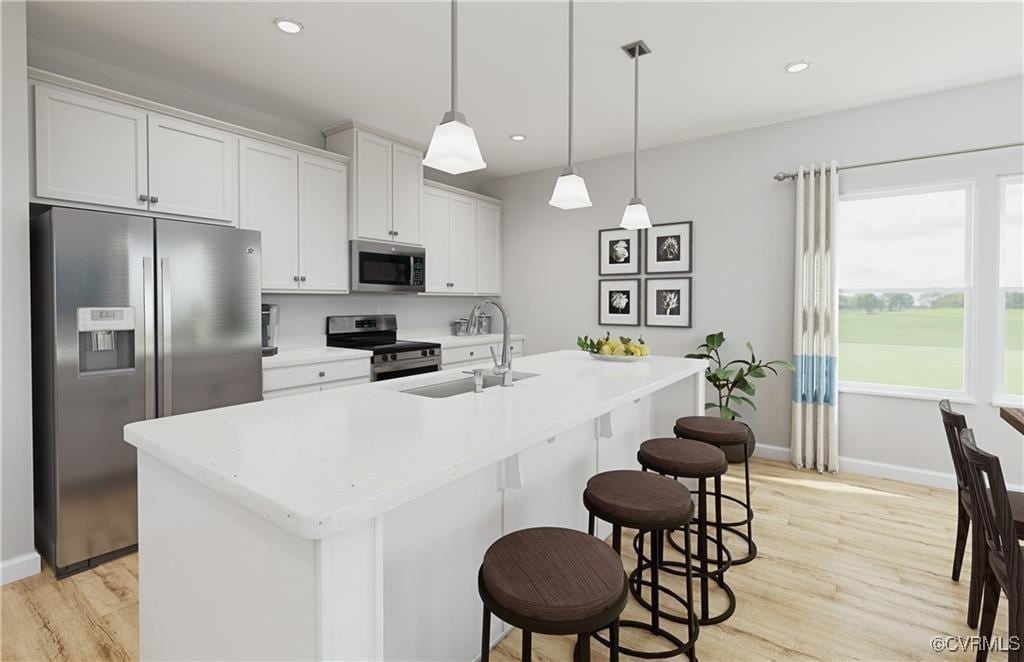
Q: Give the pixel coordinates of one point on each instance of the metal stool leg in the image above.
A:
(527, 646)
(485, 640)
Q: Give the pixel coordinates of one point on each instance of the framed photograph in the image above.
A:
(670, 248)
(670, 302)
(618, 302)
(618, 252)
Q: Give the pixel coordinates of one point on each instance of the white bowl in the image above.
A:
(620, 359)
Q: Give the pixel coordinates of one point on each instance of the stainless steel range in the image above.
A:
(392, 358)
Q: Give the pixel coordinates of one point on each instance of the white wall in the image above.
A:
(17, 547)
(302, 315)
(743, 254)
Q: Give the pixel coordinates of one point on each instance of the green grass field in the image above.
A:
(919, 347)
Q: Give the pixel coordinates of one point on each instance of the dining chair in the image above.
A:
(955, 423)
(1004, 570)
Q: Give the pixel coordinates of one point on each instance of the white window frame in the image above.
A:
(1001, 397)
(966, 395)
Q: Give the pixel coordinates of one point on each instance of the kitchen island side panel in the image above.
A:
(216, 580)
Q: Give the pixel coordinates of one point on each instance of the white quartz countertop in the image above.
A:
(306, 355)
(463, 341)
(319, 463)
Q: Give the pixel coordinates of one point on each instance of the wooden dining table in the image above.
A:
(1013, 416)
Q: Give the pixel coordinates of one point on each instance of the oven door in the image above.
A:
(381, 371)
(384, 267)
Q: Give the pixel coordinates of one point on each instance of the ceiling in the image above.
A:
(715, 67)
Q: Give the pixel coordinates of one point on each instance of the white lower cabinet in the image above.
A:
(299, 203)
(306, 378)
(467, 354)
(462, 235)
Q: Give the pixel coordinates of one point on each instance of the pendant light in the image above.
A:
(635, 216)
(453, 147)
(570, 189)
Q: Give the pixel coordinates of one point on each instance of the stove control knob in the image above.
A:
(432, 352)
(423, 352)
(394, 356)
(384, 357)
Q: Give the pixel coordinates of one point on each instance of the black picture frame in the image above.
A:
(636, 305)
(654, 263)
(606, 238)
(655, 317)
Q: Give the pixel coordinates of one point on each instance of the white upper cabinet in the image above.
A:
(462, 260)
(488, 248)
(462, 237)
(89, 150)
(299, 202)
(192, 170)
(437, 237)
(407, 192)
(387, 183)
(323, 224)
(373, 187)
(269, 202)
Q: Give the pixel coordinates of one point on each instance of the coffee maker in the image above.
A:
(271, 317)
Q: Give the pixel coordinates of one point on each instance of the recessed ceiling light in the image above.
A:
(288, 25)
(798, 66)
(517, 137)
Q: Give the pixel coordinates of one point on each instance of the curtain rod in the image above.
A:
(783, 176)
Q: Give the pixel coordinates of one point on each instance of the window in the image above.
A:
(904, 289)
(1011, 287)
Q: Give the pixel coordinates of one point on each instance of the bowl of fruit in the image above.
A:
(620, 349)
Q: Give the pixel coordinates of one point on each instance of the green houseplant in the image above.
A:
(734, 380)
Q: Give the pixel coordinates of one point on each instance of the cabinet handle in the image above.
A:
(295, 278)
(143, 198)
(322, 373)
(394, 232)
(472, 353)
(302, 279)
(154, 199)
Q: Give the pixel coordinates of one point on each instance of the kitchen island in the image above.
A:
(349, 524)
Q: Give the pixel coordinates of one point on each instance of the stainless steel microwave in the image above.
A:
(380, 266)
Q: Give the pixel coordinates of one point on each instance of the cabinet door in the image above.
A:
(373, 187)
(488, 248)
(269, 202)
(463, 244)
(406, 193)
(323, 224)
(193, 170)
(436, 237)
(89, 150)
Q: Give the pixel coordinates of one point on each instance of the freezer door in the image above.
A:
(100, 265)
(208, 317)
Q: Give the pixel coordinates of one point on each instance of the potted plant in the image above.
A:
(734, 381)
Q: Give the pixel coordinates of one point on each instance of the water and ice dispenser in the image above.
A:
(106, 340)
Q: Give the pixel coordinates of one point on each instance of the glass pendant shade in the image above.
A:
(635, 217)
(453, 147)
(570, 192)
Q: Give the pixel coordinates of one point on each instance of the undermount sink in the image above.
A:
(463, 385)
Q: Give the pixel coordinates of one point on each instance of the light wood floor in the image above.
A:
(850, 568)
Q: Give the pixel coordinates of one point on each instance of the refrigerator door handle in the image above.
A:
(149, 335)
(165, 337)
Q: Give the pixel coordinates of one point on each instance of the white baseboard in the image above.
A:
(20, 567)
(876, 469)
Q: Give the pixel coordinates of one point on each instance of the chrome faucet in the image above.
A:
(504, 368)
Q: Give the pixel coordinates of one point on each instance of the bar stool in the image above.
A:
(685, 459)
(651, 504)
(552, 581)
(737, 442)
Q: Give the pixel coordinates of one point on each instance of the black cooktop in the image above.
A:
(385, 347)
(374, 333)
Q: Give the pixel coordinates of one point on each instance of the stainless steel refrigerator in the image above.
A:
(132, 318)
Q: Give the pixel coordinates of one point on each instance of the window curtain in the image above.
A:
(814, 439)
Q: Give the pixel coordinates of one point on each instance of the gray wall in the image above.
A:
(743, 250)
(18, 549)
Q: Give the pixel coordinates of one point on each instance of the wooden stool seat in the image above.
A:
(553, 581)
(683, 458)
(638, 500)
(711, 430)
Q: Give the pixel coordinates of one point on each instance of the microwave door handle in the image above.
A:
(149, 335)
